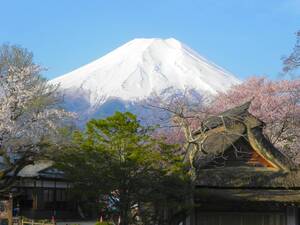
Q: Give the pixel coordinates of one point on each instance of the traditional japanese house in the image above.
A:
(42, 191)
(244, 179)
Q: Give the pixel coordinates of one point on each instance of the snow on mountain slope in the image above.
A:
(140, 68)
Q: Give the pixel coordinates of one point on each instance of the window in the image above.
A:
(60, 195)
(48, 195)
(29, 194)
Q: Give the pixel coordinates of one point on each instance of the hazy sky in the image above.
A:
(244, 37)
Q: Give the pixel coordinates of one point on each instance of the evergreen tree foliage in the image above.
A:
(131, 175)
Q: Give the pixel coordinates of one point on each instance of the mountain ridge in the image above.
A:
(140, 68)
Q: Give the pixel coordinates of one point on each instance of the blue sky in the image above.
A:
(245, 37)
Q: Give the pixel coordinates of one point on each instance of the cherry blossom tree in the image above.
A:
(276, 103)
(292, 62)
(179, 116)
(31, 121)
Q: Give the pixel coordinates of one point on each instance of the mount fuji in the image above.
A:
(136, 71)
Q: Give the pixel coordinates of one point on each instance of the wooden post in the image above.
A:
(10, 210)
(187, 220)
(291, 215)
(190, 220)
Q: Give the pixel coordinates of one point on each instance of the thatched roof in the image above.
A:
(238, 113)
(230, 133)
(245, 177)
(248, 195)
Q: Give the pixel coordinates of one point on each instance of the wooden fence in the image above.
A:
(32, 222)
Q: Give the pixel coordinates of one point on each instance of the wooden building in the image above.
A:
(244, 180)
(41, 192)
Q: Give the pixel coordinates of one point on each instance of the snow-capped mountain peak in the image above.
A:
(142, 67)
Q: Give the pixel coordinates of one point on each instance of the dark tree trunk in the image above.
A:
(125, 213)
